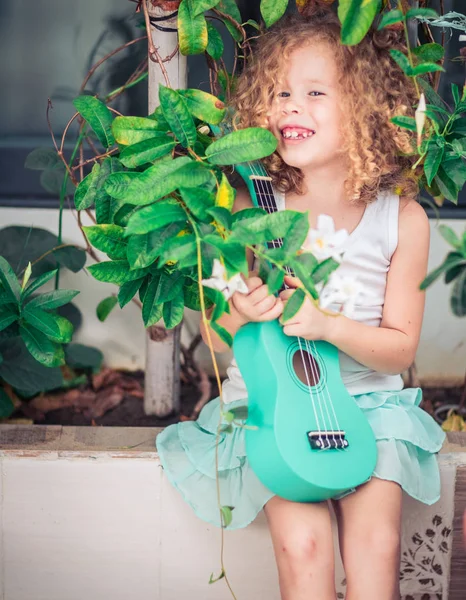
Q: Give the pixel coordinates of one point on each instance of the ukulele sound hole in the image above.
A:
(306, 368)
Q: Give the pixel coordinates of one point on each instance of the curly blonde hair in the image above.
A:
(373, 89)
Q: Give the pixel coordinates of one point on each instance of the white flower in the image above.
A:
(219, 281)
(341, 290)
(420, 117)
(324, 242)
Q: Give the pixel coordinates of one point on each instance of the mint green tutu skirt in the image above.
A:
(407, 442)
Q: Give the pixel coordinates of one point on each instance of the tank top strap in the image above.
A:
(279, 199)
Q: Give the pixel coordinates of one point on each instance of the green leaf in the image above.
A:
(45, 351)
(108, 238)
(244, 145)
(133, 130)
(79, 356)
(452, 260)
(173, 311)
(56, 328)
(269, 227)
(432, 161)
(42, 158)
(105, 307)
(192, 30)
(203, 106)
(24, 373)
(170, 286)
(226, 511)
(429, 52)
(455, 168)
(458, 295)
(157, 181)
(272, 10)
(450, 236)
(198, 202)
(147, 151)
(390, 18)
(323, 270)
(36, 284)
(51, 300)
(6, 405)
(201, 6)
(222, 216)
(128, 290)
(240, 413)
(176, 111)
(446, 185)
(215, 579)
(52, 180)
(98, 116)
(405, 122)
(293, 305)
(401, 60)
(356, 17)
(85, 193)
(156, 216)
(222, 333)
(275, 280)
(152, 311)
(102, 201)
(423, 68)
(421, 12)
(230, 8)
(115, 271)
(9, 281)
(215, 44)
(144, 249)
(71, 257)
(296, 235)
(180, 248)
(7, 317)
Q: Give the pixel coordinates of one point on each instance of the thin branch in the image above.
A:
(106, 57)
(153, 54)
(94, 158)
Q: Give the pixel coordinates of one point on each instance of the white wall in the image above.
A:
(441, 355)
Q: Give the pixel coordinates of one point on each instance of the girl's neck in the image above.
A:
(323, 187)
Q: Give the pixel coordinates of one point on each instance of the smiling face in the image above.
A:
(305, 115)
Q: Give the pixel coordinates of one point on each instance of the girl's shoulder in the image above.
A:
(413, 223)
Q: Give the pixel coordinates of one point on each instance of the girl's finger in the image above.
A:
(293, 281)
(266, 304)
(273, 313)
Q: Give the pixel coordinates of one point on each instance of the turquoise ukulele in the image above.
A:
(308, 440)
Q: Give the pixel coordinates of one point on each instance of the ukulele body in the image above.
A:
(307, 443)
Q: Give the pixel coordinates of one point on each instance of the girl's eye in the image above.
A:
(283, 94)
(314, 93)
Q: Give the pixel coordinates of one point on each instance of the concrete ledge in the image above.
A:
(78, 520)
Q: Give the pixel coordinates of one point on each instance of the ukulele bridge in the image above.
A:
(324, 440)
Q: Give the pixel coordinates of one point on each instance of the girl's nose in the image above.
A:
(291, 106)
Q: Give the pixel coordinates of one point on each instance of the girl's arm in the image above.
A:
(391, 348)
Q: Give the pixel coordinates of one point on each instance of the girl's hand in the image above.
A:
(309, 322)
(258, 304)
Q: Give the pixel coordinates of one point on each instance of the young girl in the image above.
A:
(352, 164)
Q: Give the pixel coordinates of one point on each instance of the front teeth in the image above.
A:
(295, 134)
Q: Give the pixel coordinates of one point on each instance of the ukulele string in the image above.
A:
(308, 343)
(276, 244)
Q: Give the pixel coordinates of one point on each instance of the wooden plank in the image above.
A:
(458, 556)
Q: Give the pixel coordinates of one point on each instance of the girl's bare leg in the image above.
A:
(303, 546)
(369, 526)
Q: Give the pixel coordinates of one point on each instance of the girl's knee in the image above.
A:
(301, 548)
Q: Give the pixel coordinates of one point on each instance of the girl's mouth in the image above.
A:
(296, 134)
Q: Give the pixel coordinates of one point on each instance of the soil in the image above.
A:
(129, 412)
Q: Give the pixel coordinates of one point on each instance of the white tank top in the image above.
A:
(367, 254)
